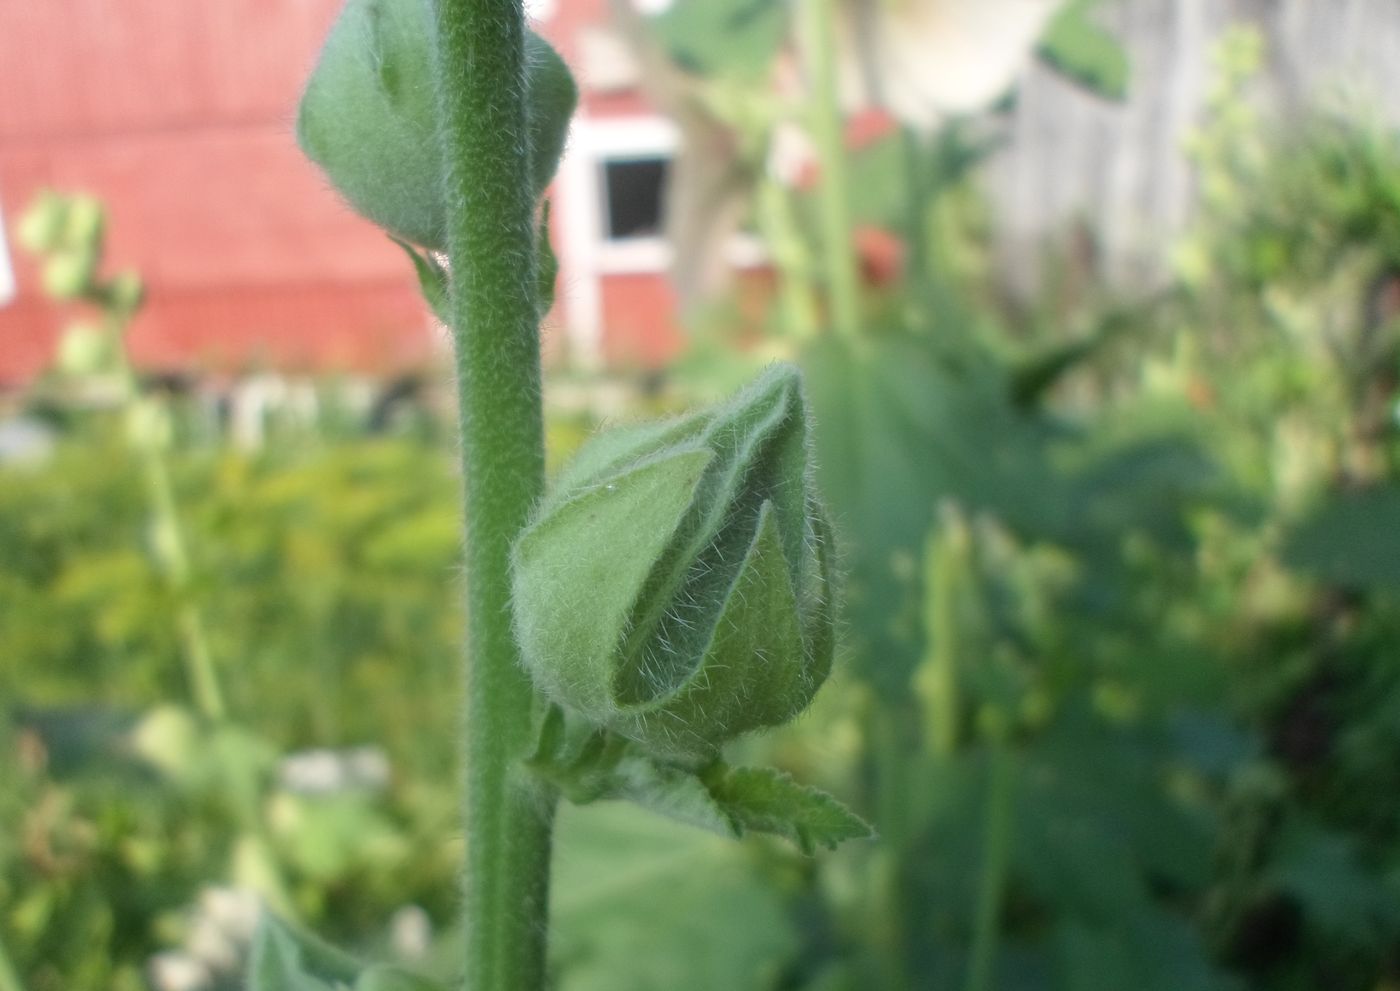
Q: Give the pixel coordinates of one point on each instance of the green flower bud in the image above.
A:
(127, 292)
(69, 274)
(85, 224)
(85, 349)
(40, 230)
(676, 584)
(369, 116)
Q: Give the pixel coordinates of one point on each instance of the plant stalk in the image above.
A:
(482, 117)
(9, 977)
(996, 857)
(818, 26)
(170, 548)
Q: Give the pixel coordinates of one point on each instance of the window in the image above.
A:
(7, 272)
(634, 191)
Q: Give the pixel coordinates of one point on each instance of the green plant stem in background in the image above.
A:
(482, 122)
(170, 548)
(9, 978)
(1001, 784)
(818, 33)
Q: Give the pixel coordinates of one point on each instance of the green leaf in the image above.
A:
(368, 117)
(284, 959)
(765, 800)
(724, 37)
(1353, 540)
(432, 280)
(1085, 52)
(383, 978)
(641, 904)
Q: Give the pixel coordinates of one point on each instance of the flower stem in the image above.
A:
(818, 27)
(1001, 785)
(483, 126)
(170, 546)
(9, 977)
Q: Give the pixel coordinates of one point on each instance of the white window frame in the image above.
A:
(8, 288)
(586, 255)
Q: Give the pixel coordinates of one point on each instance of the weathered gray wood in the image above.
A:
(1119, 169)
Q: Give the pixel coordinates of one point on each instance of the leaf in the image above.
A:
(432, 280)
(383, 978)
(284, 959)
(765, 800)
(1081, 50)
(1353, 540)
(641, 904)
(738, 38)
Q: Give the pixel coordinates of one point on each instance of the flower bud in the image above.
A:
(40, 229)
(368, 117)
(69, 274)
(84, 349)
(85, 224)
(676, 586)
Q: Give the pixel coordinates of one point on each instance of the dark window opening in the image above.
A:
(635, 189)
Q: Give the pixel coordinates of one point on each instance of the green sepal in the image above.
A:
(578, 574)
(675, 585)
(368, 116)
(286, 959)
(764, 800)
(592, 765)
(546, 263)
(432, 280)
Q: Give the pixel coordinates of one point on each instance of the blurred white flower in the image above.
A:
(927, 60)
(177, 972)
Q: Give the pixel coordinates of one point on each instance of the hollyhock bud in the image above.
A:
(368, 117)
(676, 585)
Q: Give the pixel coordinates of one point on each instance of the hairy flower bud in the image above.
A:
(368, 117)
(676, 585)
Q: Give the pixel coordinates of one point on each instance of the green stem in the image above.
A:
(9, 977)
(170, 547)
(986, 927)
(482, 115)
(818, 24)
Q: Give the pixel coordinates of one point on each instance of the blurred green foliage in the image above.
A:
(1119, 692)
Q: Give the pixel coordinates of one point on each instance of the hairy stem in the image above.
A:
(818, 25)
(482, 115)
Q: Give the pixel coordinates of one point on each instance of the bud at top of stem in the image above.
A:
(676, 584)
(368, 117)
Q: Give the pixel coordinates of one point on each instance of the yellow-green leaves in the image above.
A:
(369, 116)
(675, 586)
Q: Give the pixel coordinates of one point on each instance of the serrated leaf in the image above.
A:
(432, 280)
(766, 800)
(284, 959)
